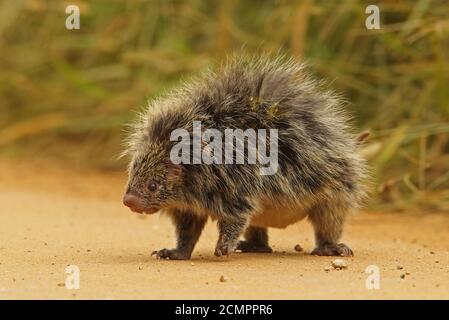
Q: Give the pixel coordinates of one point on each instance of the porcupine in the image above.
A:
(320, 173)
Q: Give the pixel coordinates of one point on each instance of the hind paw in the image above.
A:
(245, 246)
(340, 250)
(171, 254)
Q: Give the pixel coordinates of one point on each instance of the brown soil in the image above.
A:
(51, 217)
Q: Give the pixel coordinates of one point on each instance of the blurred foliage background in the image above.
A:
(66, 94)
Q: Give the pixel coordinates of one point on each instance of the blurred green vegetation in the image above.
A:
(66, 94)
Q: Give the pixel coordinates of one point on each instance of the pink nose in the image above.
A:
(133, 202)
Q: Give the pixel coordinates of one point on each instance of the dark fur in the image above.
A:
(320, 170)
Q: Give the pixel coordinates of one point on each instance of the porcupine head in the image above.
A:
(154, 182)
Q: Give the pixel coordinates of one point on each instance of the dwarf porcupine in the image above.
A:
(319, 173)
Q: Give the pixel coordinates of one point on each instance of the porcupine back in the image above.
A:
(317, 151)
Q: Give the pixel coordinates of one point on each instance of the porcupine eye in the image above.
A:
(152, 186)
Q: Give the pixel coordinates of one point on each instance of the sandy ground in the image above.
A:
(52, 217)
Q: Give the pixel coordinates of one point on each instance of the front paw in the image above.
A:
(340, 249)
(224, 248)
(171, 254)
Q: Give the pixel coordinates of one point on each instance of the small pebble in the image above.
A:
(399, 267)
(192, 264)
(298, 248)
(403, 276)
(339, 264)
(223, 279)
(327, 269)
(61, 284)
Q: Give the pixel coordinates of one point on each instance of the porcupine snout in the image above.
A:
(133, 202)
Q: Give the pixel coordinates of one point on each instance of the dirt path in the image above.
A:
(53, 218)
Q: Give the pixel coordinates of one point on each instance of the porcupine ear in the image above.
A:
(174, 171)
